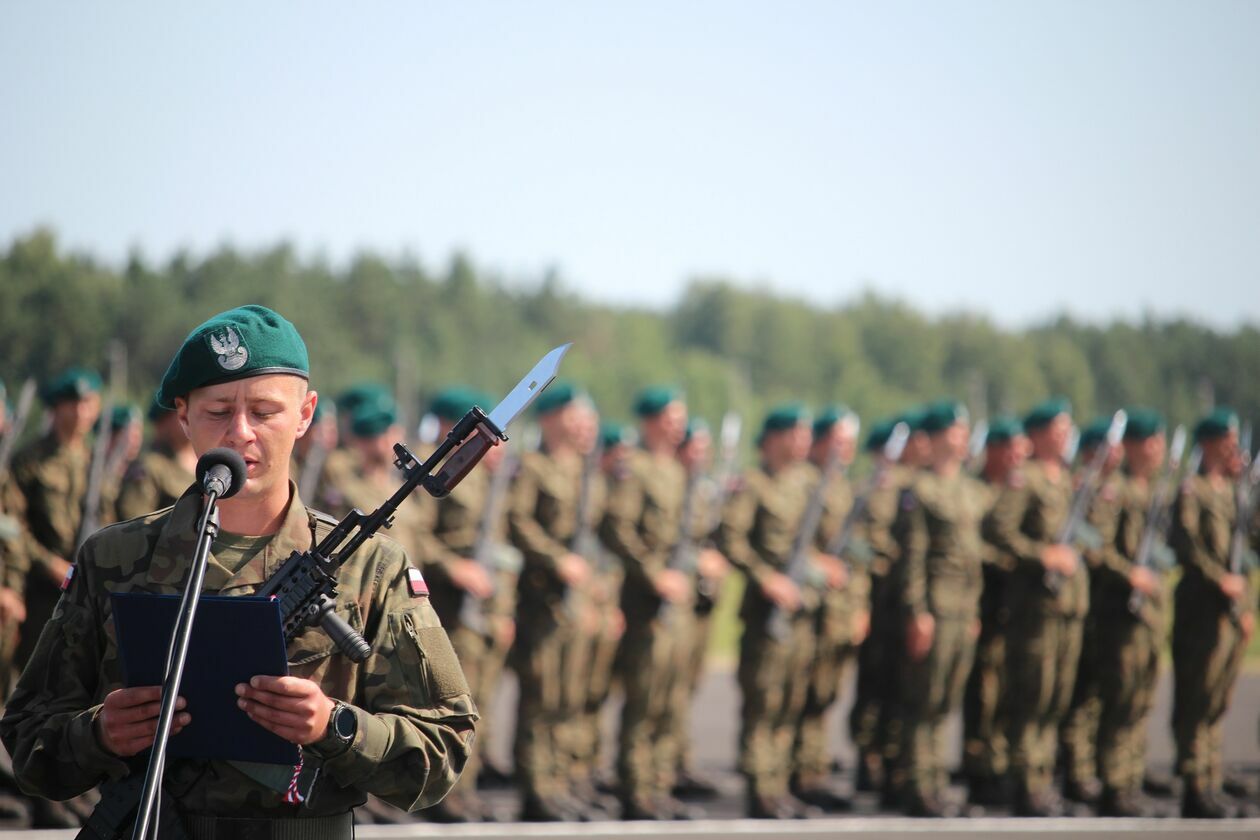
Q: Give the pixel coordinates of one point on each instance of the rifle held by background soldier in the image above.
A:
(1152, 553)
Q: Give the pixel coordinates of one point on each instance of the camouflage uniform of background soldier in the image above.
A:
(642, 524)
(938, 530)
(1078, 735)
(1044, 636)
(986, 754)
(1129, 609)
(1213, 614)
(405, 725)
(448, 531)
(842, 622)
(160, 475)
(542, 523)
(757, 533)
(51, 474)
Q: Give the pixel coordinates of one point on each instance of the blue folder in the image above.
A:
(233, 639)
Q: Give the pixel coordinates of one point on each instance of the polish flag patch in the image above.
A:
(415, 583)
(65, 581)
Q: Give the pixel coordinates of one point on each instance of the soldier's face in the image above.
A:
(259, 417)
(694, 454)
(669, 426)
(1144, 457)
(75, 418)
(1050, 441)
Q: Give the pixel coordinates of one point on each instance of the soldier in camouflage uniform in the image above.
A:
(1044, 636)
(938, 530)
(320, 466)
(1130, 630)
(159, 476)
(986, 757)
(543, 522)
(642, 524)
(757, 534)
(449, 533)
(1213, 613)
(51, 475)
(842, 623)
(399, 726)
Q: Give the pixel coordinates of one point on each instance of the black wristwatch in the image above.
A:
(343, 723)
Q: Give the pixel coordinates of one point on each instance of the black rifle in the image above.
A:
(472, 611)
(1155, 529)
(1084, 496)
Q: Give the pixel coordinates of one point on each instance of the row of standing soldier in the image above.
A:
(590, 560)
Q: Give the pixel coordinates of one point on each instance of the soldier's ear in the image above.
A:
(181, 412)
(307, 411)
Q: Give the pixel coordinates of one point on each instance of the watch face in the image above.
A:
(344, 723)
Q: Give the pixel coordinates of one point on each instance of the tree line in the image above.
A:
(416, 328)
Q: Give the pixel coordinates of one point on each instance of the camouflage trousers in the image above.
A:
(874, 720)
(985, 749)
(548, 653)
(703, 626)
(482, 660)
(1128, 670)
(1208, 649)
(932, 689)
(1042, 653)
(832, 658)
(774, 681)
(602, 640)
(655, 657)
(1078, 734)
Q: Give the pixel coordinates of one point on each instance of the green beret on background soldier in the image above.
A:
(1214, 613)
(1045, 634)
(938, 531)
(241, 380)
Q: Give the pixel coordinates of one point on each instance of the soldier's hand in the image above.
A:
(471, 576)
(128, 720)
(861, 626)
(294, 708)
(1247, 625)
(780, 589)
(672, 585)
(833, 567)
(1060, 558)
(506, 632)
(12, 607)
(920, 631)
(712, 564)
(1234, 586)
(573, 570)
(57, 569)
(1143, 580)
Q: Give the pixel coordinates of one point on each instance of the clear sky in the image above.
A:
(1013, 158)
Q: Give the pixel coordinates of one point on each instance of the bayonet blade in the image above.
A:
(896, 443)
(528, 389)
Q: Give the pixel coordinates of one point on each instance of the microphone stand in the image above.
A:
(150, 802)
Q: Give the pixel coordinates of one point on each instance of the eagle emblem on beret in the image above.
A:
(232, 354)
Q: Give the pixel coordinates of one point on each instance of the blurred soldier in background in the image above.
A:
(159, 476)
(1044, 636)
(986, 756)
(1213, 613)
(938, 531)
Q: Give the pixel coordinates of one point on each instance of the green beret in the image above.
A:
(880, 433)
(1044, 412)
(830, 416)
(695, 426)
(557, 396)
(1143, 423)
(359, 393)
(124, 415)
(1095, 433)
(1003, 430)
(652, 401)
(942, 414)
(72, 384)
(784, 417)
(1218, 424)
(246, 341)
(452, 403)
(373, 415)
(913, 418)
(615, 434)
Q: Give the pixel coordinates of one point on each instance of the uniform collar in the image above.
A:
(173, 552)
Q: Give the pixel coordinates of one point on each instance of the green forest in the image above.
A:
(420, 327)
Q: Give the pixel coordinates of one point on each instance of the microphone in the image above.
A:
(221, 471)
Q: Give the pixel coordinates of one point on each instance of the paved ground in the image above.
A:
(715, 722)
